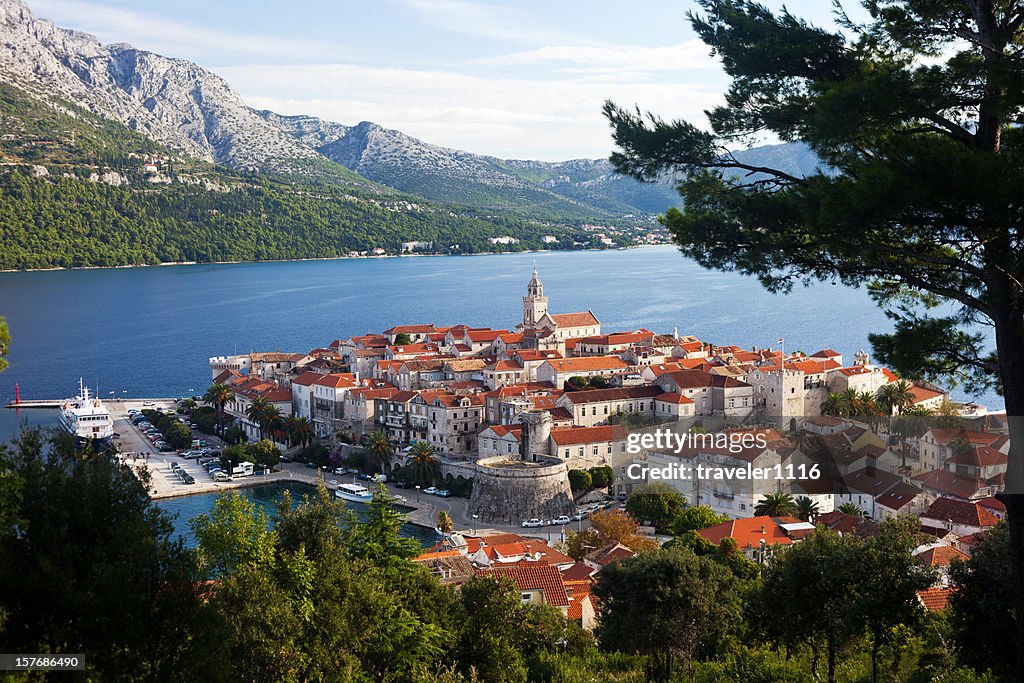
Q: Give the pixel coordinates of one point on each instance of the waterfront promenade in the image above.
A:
(131, 443)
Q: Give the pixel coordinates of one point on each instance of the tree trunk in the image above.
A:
(1009, 345)
(831, 660)
(875, 644)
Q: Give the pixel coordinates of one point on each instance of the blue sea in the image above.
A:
(265, 497)
(148, 332)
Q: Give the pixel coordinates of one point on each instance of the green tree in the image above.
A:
(577, 382)
(981, 605)
(580, 481)
(233, 535)
(657, 502)
(217, 396)
(423, 465)
(90, 554)
(895, 397)
(403, 339)
(177, 434)
(806, 509)
(488, 645)
(264, 453)
(914, 114)
(602, 477)
(299, 430)
(835, 405)
(258, 413)
(850, 508)
(379, 450)
(670, 604)
(695, 518)
(775, 505)
(378, 538)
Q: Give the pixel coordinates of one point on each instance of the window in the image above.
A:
(595, 451)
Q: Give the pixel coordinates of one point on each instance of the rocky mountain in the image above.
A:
(172, 101)
(189, 109)
(393, 158)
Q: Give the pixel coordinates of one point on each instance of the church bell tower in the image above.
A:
(535, 304)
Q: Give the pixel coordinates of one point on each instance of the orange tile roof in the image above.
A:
(534, 576)
(673, 398)
(504, 430)
(921, 394)
(979, 456)
(951, 484)
(748, 532)
(588, 363)
(409, 329)
(940, 556)
(307, 378)
(585, 319)
(960, 512)
(934, 599)
(580, 435)
(336, 380)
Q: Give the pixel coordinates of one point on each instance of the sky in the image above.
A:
(523, 79)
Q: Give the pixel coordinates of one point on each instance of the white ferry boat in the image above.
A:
(86, 417)
(355, 493)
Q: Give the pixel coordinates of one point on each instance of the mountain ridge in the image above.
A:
(192, 110)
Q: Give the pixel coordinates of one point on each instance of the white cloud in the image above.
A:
(507, 117)
(171, 38)
(688, 55)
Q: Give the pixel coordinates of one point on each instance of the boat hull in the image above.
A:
(354, 497)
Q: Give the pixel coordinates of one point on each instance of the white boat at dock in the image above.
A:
(86, 417)
(355, 493)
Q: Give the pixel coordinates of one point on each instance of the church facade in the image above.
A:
(560, 326)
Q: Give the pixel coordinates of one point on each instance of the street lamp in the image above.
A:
(417, 493)
(475, 517)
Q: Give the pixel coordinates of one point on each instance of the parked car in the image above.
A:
(430, 490)
(364, 476)
(532, 522)
(444, 493)
(401, 484)
(147, 403)
(580, 514)
(564, 519)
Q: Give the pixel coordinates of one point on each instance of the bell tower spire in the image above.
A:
(535, 304)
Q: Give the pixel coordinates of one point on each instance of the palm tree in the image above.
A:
(300, 430)
(445, 523)
(775, 505)
(866, 404)
(273, 423)
(256, 412)
(379, 450)
(852, 509)
(424, 466)
(217, 396)
(806, 509)
(834, 405)
(895, 397)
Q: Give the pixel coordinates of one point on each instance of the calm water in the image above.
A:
(266, 497)
(149, 331)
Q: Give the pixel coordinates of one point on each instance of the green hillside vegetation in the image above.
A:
(55, 211)
(72, 222)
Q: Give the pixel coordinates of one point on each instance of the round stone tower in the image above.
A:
(532, 484)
